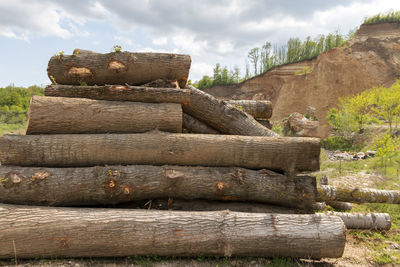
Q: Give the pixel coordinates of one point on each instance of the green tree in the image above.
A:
(254, 56)
(386, 147)
(387, 103)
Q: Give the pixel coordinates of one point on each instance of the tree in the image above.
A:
(386, 147)
(387, 103)
(254, 56)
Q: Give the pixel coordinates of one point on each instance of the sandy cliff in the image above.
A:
(371, 58)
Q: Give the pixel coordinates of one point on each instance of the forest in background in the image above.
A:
(14, 104)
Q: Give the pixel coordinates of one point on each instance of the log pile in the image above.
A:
(142, 150)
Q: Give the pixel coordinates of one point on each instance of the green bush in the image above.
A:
(340, 143)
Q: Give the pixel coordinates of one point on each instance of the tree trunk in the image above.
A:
(265, 123)
(258, 109)
(121, 93)
(158, 148)
(319, 206)
(61, 115)
(358, 195)
(193, 125)
(86, 67)
(222, 116)
(80, 232)
(339, 205)
(209, 205)
(118, 184)
(371, 221)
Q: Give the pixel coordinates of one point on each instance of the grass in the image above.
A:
(390, 16)
(12, 128)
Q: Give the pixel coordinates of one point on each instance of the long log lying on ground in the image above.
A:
(49, 232)
(377, 221)
(118, 68)
(222, 116)
(118, 184)
(209, 205)
(358, 195)
(193, 125)
(371, 221)
(121, 93)
(159, 148)
(61, 115)
(258, 109)
(339, 205)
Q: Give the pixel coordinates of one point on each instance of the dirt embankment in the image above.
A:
(371, 58)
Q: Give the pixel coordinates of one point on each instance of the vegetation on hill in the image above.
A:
(268, 56)
(14, 104)
(391, 16)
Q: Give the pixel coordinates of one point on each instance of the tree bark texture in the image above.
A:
(371, 221)
(258, 109)
(118, 184)
(121, 93)
(117, 68)
(358, 195)
(159, 148)
(62, 115)
(209, 205)
(265, 123)
(319, 206)
(80, 232)
(222, 116)
(193, 125)
(339, 205)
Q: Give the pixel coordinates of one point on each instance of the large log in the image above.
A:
(193, 125)
(158, 148)
(371, 221)
(209, 205)
(61, 115)
(118, 184)
(259, 109)
(358, 195)
(51, 232)
(117, 68)
(121, 93)
(222, 116)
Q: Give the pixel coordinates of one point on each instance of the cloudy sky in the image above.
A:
(211, 31)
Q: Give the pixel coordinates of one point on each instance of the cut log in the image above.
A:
(121, 93)
(117, 68)
(319, 206)
(79, 232)
(159, 148)
(118, 184)
(209, 205)
(339, 205)
(193, 125)
(265, 123)
(61, 115)
(222, 116)
(258, 109)
(358, 195)
(371, 221)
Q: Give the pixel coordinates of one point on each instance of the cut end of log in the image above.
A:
(80, 72)
(116, 66)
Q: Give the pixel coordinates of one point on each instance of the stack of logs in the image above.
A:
(231, 186)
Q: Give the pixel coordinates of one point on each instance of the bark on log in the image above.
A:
(118, 68)
(118, 184)
(222, 116)
(371, 221)
(79, 232)
(339, 205)
(159, 148)
(319, 206)
(61, 115)
(265, 123)
(121, 93)
(193, 125)
(358, 195)
(258, 109)
(209, 205)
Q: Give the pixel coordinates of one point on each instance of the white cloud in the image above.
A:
(160, 40)
(123, 40)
